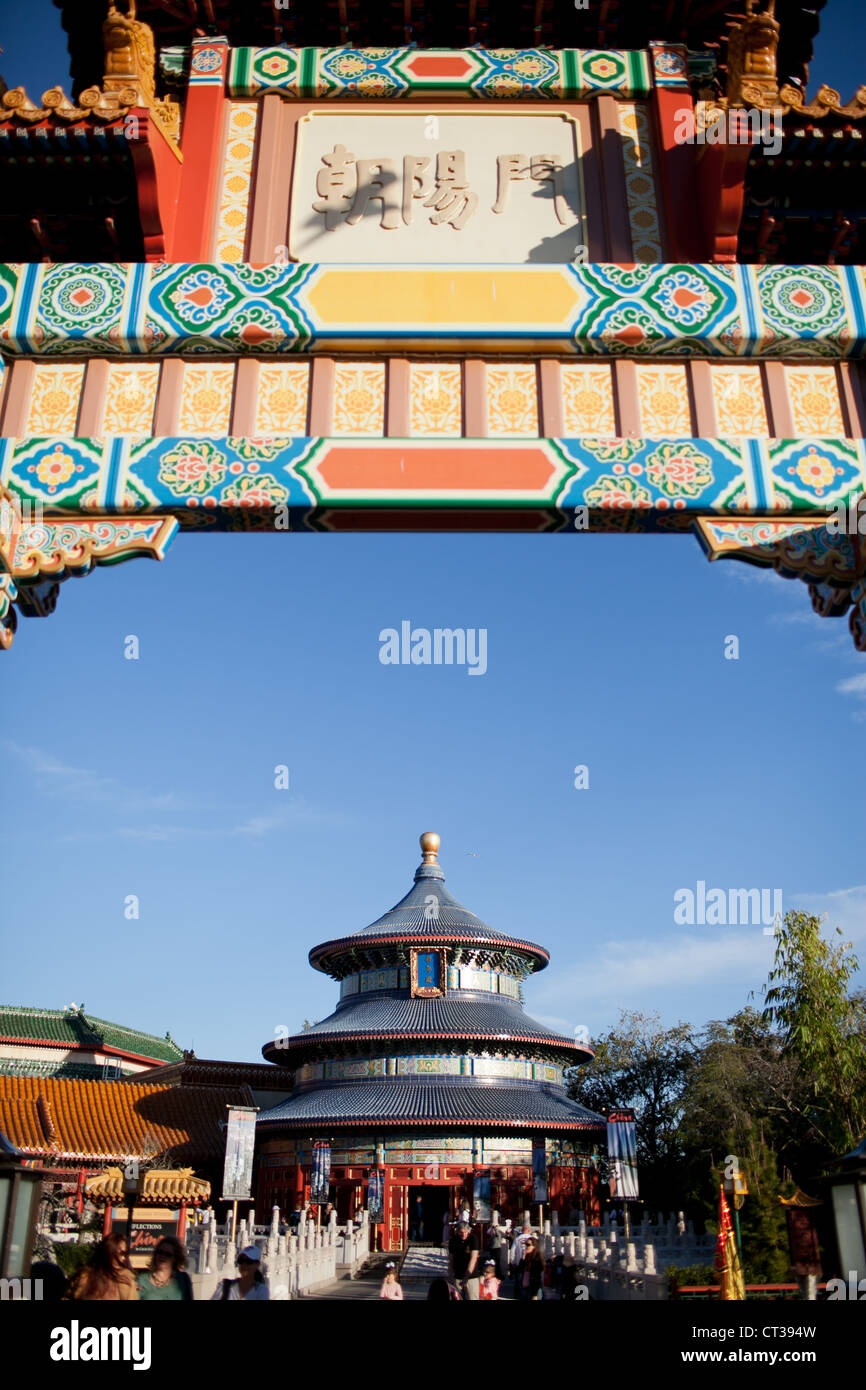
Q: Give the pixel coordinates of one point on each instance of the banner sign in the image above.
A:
(481, 1196)
(320, 1183)
(539, 1171)
(622, 1153)
(376, 1195)
(240, 1142)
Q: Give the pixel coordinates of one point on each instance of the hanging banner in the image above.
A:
(622, 1154)
(376, 1195)
(320, 1183)
(481, 1196)
(539, 1171)
(240, 1142)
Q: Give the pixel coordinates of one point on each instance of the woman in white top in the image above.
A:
(250, 1283)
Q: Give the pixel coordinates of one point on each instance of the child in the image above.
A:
(489, 1282)
(390, 1288)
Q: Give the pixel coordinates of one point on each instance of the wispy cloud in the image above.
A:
(295, 813)
(744, 573)
(853, 685)
(54, 778)
(648, 973)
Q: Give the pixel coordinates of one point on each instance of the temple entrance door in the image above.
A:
(435, 1202)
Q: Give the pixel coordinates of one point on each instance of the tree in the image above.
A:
(644, 1066)
(822, 1029)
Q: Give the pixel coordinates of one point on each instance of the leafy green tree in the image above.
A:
(822, 1029)
(641, 1065)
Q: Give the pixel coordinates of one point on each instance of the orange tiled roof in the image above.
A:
(161, 1185)
(110, 1120)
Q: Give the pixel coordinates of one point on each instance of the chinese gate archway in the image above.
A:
(342, 302)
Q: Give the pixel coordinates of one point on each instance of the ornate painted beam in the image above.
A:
(452, 484)
(725, 311)
(562, 74)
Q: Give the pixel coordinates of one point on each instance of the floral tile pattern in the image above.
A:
(738, 397)
(236, 181)
(54, 399)
(663, 394)
(206, 399)
(130, 398)
(282, 399)
(813, 393)
(512, 400)
(436, 399)
(359, 399)
(587, 400)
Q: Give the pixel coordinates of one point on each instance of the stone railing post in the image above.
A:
(275, 1221)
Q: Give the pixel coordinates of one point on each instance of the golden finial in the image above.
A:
(430, 843)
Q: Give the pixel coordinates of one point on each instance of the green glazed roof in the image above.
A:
(76, 1029)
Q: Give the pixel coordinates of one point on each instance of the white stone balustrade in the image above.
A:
(293, 1264)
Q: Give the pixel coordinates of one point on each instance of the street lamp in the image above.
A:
(848, 1192)
(133, 1185)
(20, 1194)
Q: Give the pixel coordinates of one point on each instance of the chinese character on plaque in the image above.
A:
(427, 973)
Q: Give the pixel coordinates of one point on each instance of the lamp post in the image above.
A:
(848, 1193)
(132, 1185)
(20, 1194)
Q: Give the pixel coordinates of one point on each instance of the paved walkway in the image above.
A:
(424, 1262)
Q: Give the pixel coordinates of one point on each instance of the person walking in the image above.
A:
(166, 1281)
(464, 1252)
(390, 1284)
(250, 1284)
(107, 1276)
(530, 1271)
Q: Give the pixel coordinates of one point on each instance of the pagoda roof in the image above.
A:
(428, 911)
(423, 1101)
(616, 24)
(465, 1017)
(72, 1028)
(161, 1187)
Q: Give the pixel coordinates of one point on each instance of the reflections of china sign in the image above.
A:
(436, 187)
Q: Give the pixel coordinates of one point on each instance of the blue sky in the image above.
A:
(156, 777)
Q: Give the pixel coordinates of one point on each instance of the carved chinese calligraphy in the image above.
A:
(358, 175)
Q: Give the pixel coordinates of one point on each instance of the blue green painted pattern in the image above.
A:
(247, 484)
(728, 311)
(565, 74)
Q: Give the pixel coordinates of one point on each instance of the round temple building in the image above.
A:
(429, 1080)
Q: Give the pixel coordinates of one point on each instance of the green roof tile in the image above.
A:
(82, 1030)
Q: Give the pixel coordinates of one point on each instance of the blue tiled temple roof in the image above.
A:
(457, 1015)
(423, 1101)
(428, 910)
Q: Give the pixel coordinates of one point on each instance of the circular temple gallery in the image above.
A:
(429, 1083)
